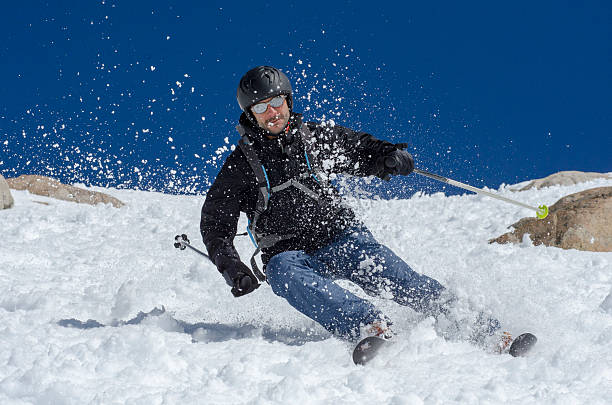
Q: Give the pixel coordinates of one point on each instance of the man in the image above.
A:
(278, 176)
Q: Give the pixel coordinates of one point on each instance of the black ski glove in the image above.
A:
(396, 162)
(237, 275)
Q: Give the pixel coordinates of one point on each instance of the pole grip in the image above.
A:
(390, 162)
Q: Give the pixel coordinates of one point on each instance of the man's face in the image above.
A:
(274, 119)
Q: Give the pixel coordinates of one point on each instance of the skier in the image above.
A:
(279, 177)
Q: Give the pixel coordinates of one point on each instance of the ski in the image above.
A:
(522, 345)
(366, 349)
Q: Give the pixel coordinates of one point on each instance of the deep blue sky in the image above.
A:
(142, 94)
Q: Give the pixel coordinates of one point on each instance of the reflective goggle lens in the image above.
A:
(261, 108)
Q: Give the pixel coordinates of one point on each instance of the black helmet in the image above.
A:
(261, 83)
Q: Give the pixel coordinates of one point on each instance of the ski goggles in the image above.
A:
(261, 108)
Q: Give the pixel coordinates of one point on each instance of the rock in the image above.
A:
(566, 178)
(48, 187)
(6, 199)
(580, 221)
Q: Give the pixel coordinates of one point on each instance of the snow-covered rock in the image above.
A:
(565, 178)
(48, 187)
(6, 199)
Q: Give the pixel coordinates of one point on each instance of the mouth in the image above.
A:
(274, 121)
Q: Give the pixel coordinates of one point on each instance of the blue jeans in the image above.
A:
(306, 281)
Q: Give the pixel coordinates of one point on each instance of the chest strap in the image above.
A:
(293, 182)
(263, 198)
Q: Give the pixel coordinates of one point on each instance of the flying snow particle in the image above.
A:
(152, 68)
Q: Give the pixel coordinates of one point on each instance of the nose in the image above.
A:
(273, 110)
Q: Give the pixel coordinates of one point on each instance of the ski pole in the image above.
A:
(239, 286)
(541, 211)
(181, 242)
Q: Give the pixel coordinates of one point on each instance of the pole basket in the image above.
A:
(181, 241)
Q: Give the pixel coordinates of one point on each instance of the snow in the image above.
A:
(63, 261)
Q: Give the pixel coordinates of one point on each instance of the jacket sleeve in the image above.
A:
(221, 210)
(342, 150)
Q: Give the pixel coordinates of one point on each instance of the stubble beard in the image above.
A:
(276, 124)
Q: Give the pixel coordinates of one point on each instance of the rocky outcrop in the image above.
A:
(566, 178)
(6, 199)
(580, 221)
(48, 187)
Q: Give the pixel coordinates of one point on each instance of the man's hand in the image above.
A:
(397, 162)
(237, 275)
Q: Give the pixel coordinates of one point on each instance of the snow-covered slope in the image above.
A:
(63, 261)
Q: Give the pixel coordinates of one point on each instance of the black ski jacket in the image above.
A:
(290, 211)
